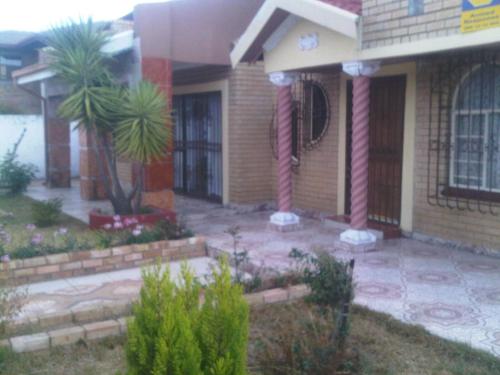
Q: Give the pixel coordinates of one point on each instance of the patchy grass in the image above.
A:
(20, 207)
(379, 345)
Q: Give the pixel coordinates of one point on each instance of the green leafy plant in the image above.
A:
(331, 284)
(15, 176)
(173, 334)
(160, 338)
(130, 123)
(222, 330)
(46, 213)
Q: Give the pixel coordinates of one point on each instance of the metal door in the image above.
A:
(198, 145)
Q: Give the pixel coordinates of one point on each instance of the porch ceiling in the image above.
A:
(325, 13)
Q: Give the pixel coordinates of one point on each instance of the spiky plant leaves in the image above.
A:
(75, 56)
(143, 130)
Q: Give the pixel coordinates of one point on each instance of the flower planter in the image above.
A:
(100, 220)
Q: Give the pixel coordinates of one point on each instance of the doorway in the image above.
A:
(386, 135)
(198, 145)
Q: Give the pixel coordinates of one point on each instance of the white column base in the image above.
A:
(358, 237)
(284, 221)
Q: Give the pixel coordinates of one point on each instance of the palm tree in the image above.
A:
(132, 123)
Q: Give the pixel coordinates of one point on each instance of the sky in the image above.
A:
(38, 15)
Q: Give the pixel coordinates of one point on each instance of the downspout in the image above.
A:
(45, 125)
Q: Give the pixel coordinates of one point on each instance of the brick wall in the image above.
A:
(250, 114)
(467, 227)
(387, 22)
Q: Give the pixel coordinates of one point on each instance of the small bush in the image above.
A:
(15, 176)
(46, 213)
(11, 301)
(172, 334)
(296, 340)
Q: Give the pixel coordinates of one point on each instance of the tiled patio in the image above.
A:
(453, 293)
(73, 204)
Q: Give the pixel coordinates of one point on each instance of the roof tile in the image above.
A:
(353, 6)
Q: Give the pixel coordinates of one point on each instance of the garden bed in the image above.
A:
(78, 263)
(379, 345)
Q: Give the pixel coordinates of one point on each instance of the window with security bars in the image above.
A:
(310, 117)
(464, 132)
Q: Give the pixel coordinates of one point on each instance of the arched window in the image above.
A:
(474, 162)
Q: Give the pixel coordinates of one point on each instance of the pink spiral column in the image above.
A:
(285, 148)
(360, 149)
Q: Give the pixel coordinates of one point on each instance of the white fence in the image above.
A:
(32, 148)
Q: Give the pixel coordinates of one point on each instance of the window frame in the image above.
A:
(481, 192)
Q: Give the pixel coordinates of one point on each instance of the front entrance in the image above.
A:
(387, 108)
(198, 145)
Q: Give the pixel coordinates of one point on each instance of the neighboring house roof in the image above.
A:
(276, 17)
(118, 43)
(353, 6)
(16, 39)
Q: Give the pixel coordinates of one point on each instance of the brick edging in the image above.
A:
(114, 327)
(87, 262)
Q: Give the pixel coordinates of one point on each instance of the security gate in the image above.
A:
(387, 107)
(198, 145)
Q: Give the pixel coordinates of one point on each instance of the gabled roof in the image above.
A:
(353, 6)
(337, 15)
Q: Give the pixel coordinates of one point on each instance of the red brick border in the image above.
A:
(89, 262)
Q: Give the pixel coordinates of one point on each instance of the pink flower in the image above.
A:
(118, 225)
(116, 218)
(31, 227)
(107, 226)
(136, 232)
(37, 239)
(5, 258)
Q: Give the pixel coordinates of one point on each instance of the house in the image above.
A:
(390, 111)
(222, 115)
(17, 49)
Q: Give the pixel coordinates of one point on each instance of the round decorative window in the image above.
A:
(310, 117)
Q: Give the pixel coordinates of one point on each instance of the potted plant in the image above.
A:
(123, 122)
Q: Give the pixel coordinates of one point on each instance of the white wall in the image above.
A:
(32, 148)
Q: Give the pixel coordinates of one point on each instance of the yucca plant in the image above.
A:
(123, 122)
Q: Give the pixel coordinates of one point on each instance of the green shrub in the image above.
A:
(46, 213)
(15, 176)
(171, 334)
(222, 330)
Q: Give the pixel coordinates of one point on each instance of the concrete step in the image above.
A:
(100, 329)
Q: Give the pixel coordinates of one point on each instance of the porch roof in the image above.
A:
(340, 16)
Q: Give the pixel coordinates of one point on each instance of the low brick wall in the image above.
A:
(88, 262)
(96, 330)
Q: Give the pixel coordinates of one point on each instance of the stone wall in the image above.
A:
(387, 22)
(16, 101)
(89, 262)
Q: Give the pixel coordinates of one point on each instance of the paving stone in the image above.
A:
(275, 295)
(47, 269)
(57, 258)
(255, 298)
(30, 343)
(96, 254)
(122, 250)
(55, 319)
(99, 330)
(90, 263)
(298, 291)
(34, 262)
(124, 324)
(71, 266)
(66, 336)
(88, 314)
